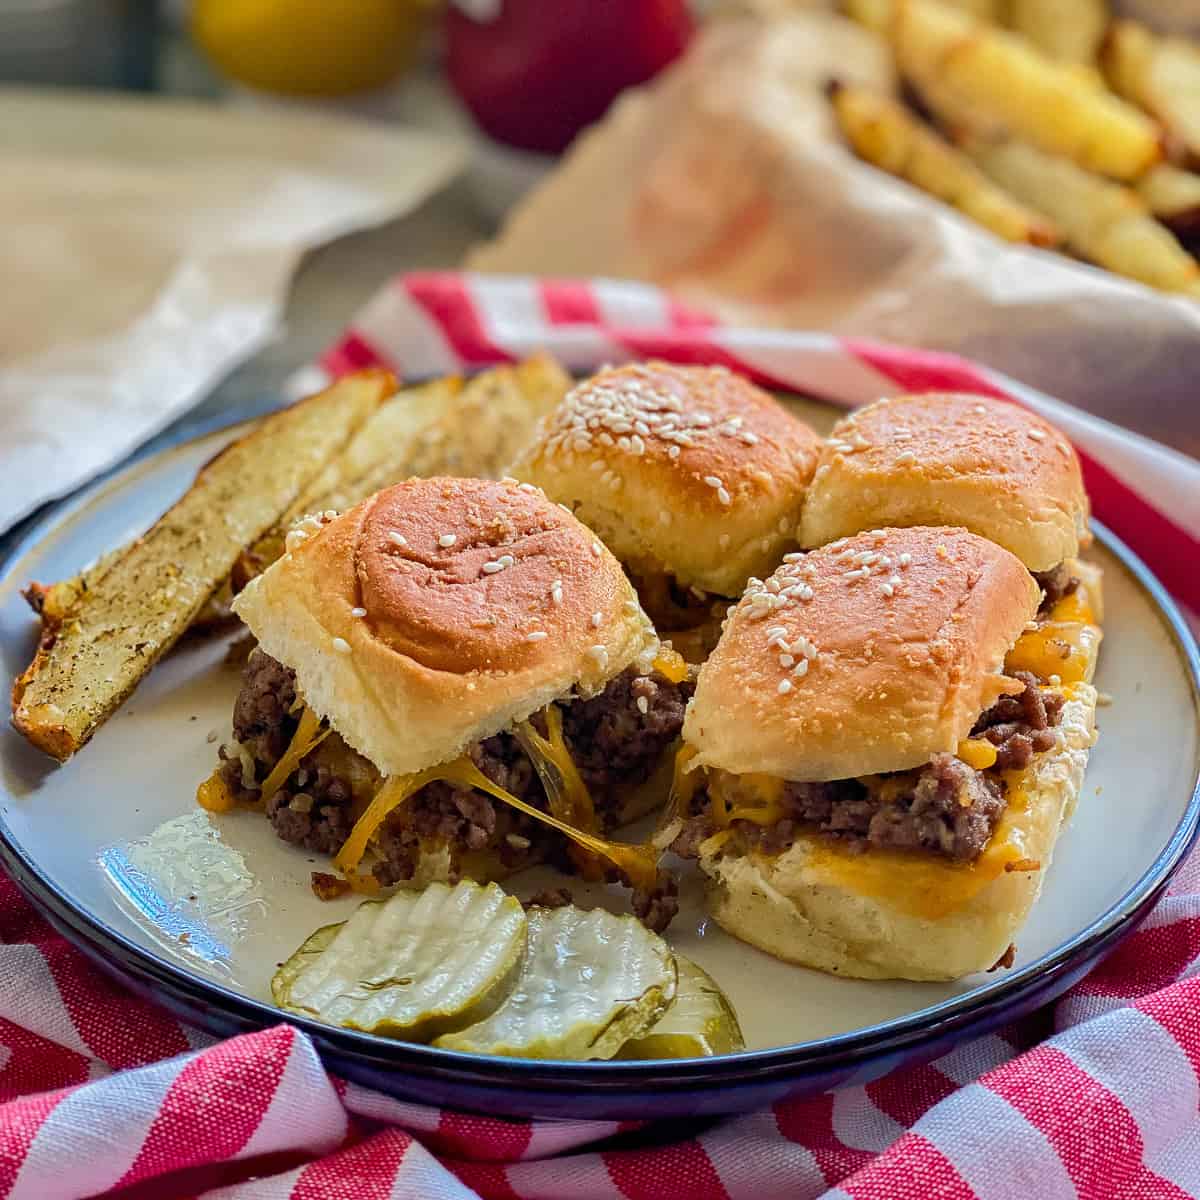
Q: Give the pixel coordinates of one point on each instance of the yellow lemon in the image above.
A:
(309, 47)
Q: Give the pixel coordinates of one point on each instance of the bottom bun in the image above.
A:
(893, 915)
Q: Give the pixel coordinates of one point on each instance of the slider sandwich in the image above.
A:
(693, 477)
(453, 679)
(988, 465)
(870, 785)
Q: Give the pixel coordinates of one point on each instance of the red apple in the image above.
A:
(535, 72)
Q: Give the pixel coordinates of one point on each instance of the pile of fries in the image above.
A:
(1047, 123)
(103, 629)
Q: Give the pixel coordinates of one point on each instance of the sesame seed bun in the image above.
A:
(891, 915)
(991, 466)
(691, 471)
(903, 631)
(439, 611)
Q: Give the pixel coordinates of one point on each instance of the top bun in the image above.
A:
(989, 465)
(691, 471)
(440, 611)
(904, 632)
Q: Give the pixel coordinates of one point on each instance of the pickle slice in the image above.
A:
(700, 1023)
(590, 982)
(413, 966)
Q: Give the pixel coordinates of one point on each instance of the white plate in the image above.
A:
(78, 832)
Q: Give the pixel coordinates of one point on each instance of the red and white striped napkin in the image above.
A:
(103, 1093)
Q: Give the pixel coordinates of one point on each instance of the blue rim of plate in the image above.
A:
(515, 1087)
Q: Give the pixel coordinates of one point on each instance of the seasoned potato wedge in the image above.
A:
(989, 81)
(589, 983)
(889, 136)
(413, 966)
(1069, 30)
(1103, 222)
(700, 1022)
(143, 603)
(1162, 74)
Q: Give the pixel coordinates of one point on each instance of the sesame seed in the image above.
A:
(794, 557)
(672, 451)
(786, 660)
(859, 573)
(516, 841)
(508, 479)
(565, 509)
(785, 686)
(904, 559)
(643, 705)
(894, 580)
(506, 560)
(597, 620)
(980, 410)
(903, 460)
(713, 481)
(1037, 435)
(537, 635)
(397, 539)
(750, 439)
(801, 668)
(490, 568)
(723, 497)
(600, 654)
(341, 645)
(528, 487)
(447, 540)
(887, 589)
(358, 612)
(596, 549)
(556, 592)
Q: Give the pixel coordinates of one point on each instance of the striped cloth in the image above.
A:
(103, 1093)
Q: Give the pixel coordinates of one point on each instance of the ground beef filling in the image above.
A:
(1055, 584)
(616, 739)
(945, 808)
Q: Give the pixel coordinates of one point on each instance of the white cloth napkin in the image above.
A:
(147, 249)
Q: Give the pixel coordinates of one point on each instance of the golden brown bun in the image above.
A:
(442, 655)
(689, 470)
(885, 915)
(906, 656)
(991, 466)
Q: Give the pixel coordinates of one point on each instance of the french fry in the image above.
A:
(991, 82)
(1104, 222)
(1162, 74)
(1068, 30)
(1173, 196)
(140, 606)
(887, 135)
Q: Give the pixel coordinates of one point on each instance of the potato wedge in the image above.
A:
(700, 1022)
(144, 602)
(1173, 196)
(589, 983)
(486, 427)
(1162, 74)
(889, 136)
(1105, 223)
(413, 966)
(1068, 30)
(991, 82)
